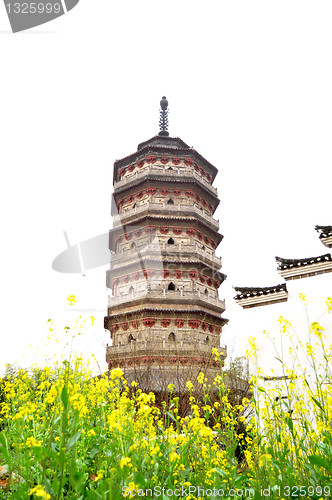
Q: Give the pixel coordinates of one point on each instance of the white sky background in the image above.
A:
(249, 87)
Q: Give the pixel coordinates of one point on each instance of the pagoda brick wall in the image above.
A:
(164, 315)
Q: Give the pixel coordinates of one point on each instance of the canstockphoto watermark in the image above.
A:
(185, 491)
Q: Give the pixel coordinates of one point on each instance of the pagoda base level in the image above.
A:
(157, 379)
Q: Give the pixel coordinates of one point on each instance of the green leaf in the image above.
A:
(290, 423)
(170, 416)
(3, 439)
(64, 396)
(5, 453)
(278, 359)
(139, 479)
(317, 403)
(221, 472)
(320, 461)
(74, 439)
(93, 451)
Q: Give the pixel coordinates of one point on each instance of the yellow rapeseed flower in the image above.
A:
(39, 491)
(116, 373)
(71, 300)
(125, 461)
(32, 442)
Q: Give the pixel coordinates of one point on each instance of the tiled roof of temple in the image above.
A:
(244, 292)
(324, 231)
(290, 263)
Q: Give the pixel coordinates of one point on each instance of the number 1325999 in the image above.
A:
(33, 8)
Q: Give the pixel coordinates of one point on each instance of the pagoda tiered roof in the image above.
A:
(149, 145)
(218, 236)
(164, 179)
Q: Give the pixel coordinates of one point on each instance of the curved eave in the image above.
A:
(150, 179)
(132, 157)
(112, 232)
(296, 263)
(221, 276)
(164, 139)
(245, 292)
(169, 311)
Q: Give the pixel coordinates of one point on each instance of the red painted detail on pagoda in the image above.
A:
(151, 159)
(165, 273)
(140, 163)
(179, 323)
(190, 193)
(150, 229)
(211, 328)
(126, 278)
(193, 274)
(151, 190)
(164, 191)
(135, 324)
(116, 281)
(164, 160)
(194, 323)
(114, 328)
(176, 161)
(165, 322)
(199, 236)
(191, 231)
(148, 273)
(196, 167)
(178, 274)
(136, 275)
(189, 162)
(177, 230)
(164, 229)
(124, 326)
(176, 192)
(138, 233)
(131, 168)
(139, 195)
(128, 236)
(149, 322)
(209, 281)
(204, 326)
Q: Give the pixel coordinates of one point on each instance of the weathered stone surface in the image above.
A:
(164, 315)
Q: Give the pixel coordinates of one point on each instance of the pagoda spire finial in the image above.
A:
(163, 120)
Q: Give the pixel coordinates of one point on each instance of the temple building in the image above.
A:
(289, 269)
(164, 315)
(309, 279)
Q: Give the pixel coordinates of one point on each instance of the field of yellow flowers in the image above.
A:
(68, 435)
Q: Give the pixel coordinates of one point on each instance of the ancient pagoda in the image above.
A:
(164, 315)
